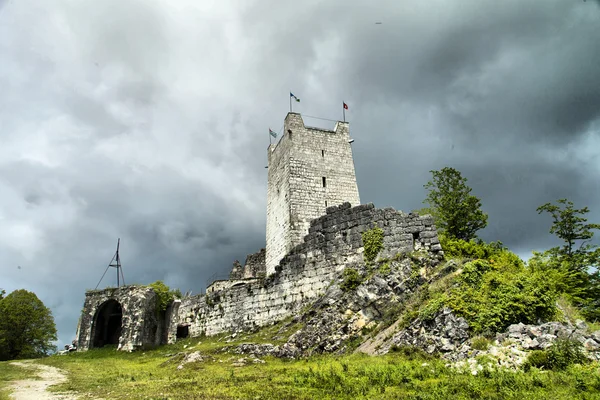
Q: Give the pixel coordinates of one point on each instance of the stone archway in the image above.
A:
(107, 324)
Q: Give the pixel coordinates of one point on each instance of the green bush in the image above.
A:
(411, 352)
(495, 289)
(164, 295)
(491, 299)
(351, 279)
(563, 353)
(480, 343)
(373, 243)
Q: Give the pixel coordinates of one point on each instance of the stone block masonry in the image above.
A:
(310, 169)
(333, 242)
(125, 317)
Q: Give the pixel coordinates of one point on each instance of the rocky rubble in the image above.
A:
(448, 335)
(444, 333)
(539, 337)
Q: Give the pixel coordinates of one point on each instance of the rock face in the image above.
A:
(448, 335)
(339, 317)
(444, 333)
(539, 337)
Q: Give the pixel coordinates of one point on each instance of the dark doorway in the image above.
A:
(182, 331)
(107, 324)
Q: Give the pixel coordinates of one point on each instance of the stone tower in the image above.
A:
(310, 169)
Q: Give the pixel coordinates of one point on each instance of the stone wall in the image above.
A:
(309, 170)
(255, 266)
(140, 324)
(333, 242)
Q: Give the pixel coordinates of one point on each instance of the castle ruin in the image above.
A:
(314, 231)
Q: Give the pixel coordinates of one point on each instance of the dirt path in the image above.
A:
(35, 389)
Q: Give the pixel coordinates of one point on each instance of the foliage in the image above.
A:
(455, 210)
(472, 249)
(493, 296)
(405, 374)
(351, 279)
(563, 353)
(493, 289)
(580, 265)
(164, 295)
(2, 293)
(27, 327)
(385, 268)
(433, 306)
(480, 343)
(373, 243)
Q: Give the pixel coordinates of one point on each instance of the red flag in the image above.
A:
(345, 106)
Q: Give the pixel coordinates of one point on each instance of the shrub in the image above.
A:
(164, 295)
(480, 343)
(373, 243)
(351, 279)
(495, 289)
(385, 269)
(559, 356)
(495, 299)
(411, 352)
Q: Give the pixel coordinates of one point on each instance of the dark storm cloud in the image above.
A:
(149, 121)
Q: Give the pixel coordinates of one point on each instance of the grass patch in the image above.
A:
(401, 374)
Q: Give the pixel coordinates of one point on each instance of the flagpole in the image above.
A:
(344, 110)
(270, 137)
(290, 101)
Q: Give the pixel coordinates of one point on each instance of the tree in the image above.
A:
(580, 263)
(2, 293)
(455, 210)
(27, 327)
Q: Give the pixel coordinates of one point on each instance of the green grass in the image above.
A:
(153, 374)
(9, 373)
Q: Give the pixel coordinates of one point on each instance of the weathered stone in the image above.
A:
(191, 358)
(591, 344)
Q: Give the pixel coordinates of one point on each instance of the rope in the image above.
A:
(324, 119)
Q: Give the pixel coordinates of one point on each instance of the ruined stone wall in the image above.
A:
(255, 265)
(316, 168)
(140, 324)
(219, 285)
(334, 242)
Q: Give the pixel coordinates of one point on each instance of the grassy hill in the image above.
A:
(154, 374)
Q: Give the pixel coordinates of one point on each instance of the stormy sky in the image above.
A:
(148, 121)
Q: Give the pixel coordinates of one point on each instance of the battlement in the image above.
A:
(310, 169)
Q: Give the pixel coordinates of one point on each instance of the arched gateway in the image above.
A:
(107, 326)
(125, 317)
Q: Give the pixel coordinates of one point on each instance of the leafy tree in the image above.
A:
(455, 210)
(2, 293)
(577, 258)
(27, 327)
